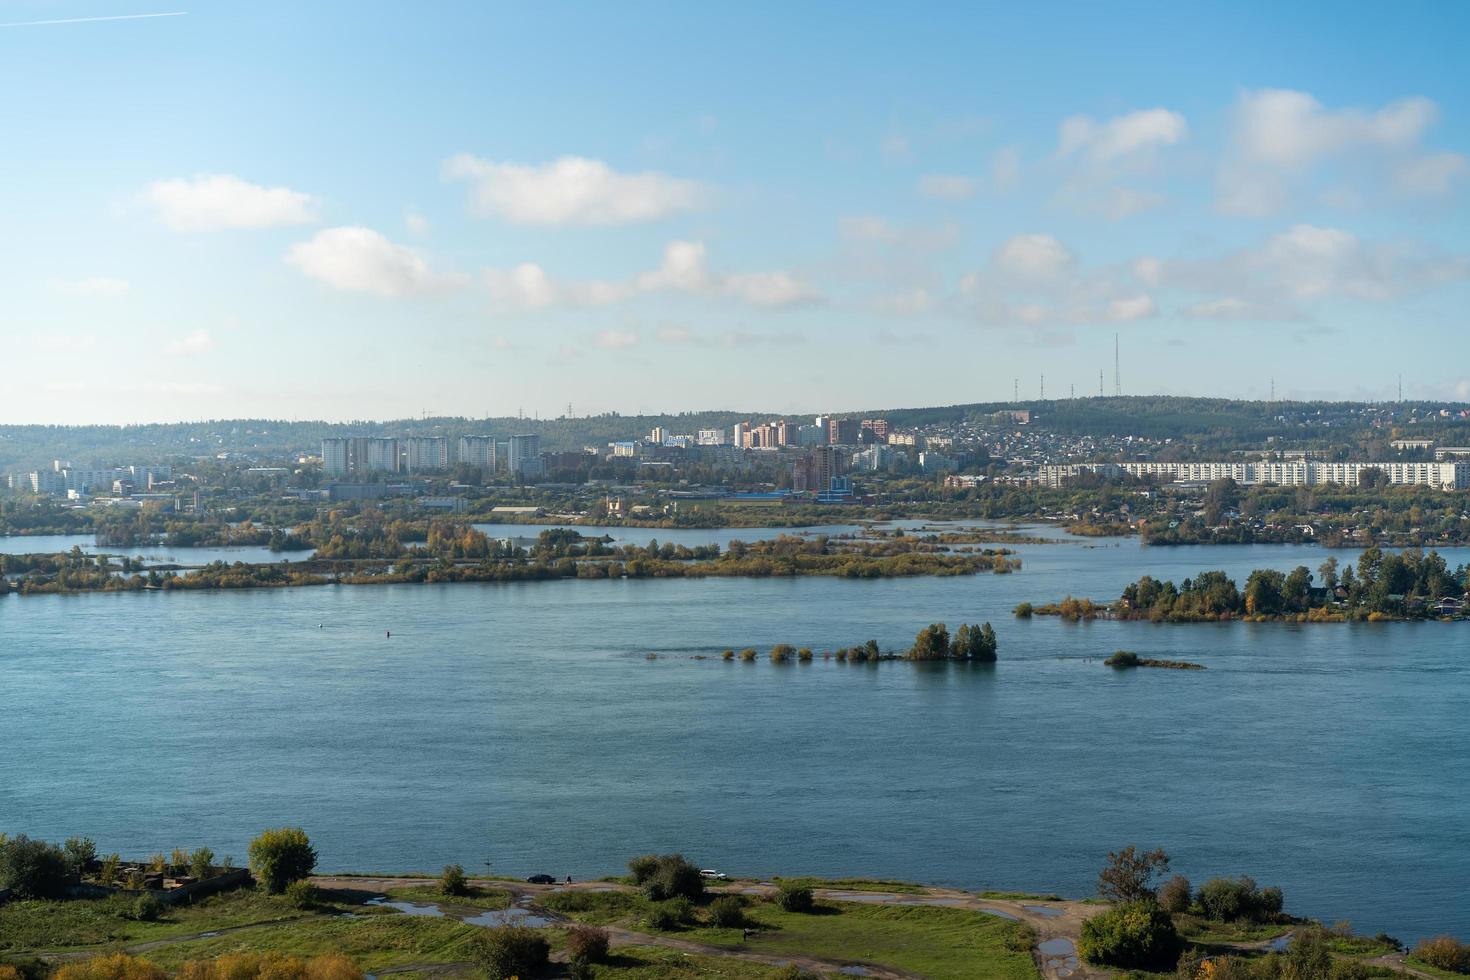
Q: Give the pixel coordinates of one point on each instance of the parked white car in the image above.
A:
(712, 873)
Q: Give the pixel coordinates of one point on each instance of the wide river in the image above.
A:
(525, 726)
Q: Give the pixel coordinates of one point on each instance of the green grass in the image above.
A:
(855, 885)
(658, 963)
(939, 943)
(1198, 929)
(475, 897)
(1434, 971)
(103, 921)
(375, 942)
(595, 908)
(1018, 897)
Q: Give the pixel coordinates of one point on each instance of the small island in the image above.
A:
(1123, 659)
(1409, 585)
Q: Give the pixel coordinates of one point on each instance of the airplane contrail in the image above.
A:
(92, 20)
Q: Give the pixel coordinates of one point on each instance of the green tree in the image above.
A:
(279, 857)
(932, 643)
(1128, 874)
(33, 868)
(80, 853)
(453, 881)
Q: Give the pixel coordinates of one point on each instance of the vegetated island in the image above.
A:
(1409, 585)
(378, 555)
(1124, 659)
(68, 913)
(974, 644)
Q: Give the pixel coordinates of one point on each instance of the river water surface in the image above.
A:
(525, 725)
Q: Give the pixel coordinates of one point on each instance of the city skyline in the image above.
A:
(220, 214)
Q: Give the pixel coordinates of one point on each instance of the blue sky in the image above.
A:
(369, 210)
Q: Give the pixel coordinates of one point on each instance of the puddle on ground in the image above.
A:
(1044, 910)
(513, 916)
(862, 897)
(853, 971)
(1280, 943)
(953, 903)
(1003, 915)
(208, 935)
(1060, 955)
(408, 908)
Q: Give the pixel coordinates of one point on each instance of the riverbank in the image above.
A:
(404, 926)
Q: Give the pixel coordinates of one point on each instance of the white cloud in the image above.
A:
(1303, 264)
(1034, 257)
(90, 286)
(60, 343)
(896, 148)
(910, 303)
(682, 269)
(673, 333)
(948, 187)
(1128, 308)
(1430, 176)
(572, 191)
(867, 229)
(1130, 135)
(768, 289)
(1288, 129)
(615, 339)
(416, 223)
(1280, 136)
(1005, 168)
(208, 202)
(355, 259)
(197, 342)
(1036, 281)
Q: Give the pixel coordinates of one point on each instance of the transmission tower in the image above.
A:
(1117, 372)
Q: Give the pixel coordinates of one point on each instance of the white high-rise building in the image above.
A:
(523, 455)
(419, 454)
(477, 451)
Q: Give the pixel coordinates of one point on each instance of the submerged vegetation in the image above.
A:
(977, 644)
(1127, 658)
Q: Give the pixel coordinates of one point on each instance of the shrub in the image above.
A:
(107, 874)
(782, 652)
(932, 643)
(178, 861)
(453, 881)
(158, 864)
(748, 654)
(145, 908)
(1175, 895)
(792, 972)
(1132, 936)
(271, 966)
(1228, 899)
(1122, 658)
(587, 944)
(642, 868)
(303, 894)
(201, 863)
(1024, 610)
(673, 877)
(661, 918)
(279, 857)
(727, 912)
(80, 853)
(794, 898)
(512, 951)
(33, 868)
(118, 966)
(1444, 953)
(728, 655)
(804, 654)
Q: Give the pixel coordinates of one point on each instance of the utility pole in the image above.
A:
(1273, 387)
(1099, 383)
(1043, 386)
(1072, 392)
(1016, 389)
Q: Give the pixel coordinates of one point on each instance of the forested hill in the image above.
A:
(1218, 422)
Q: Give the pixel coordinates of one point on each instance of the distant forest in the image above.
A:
(1214, 423)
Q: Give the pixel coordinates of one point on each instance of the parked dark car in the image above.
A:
(541, 880)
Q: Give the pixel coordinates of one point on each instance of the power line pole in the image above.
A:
(1043, 386)
(1015, 389)
(1117, 370)
(1099, 383)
